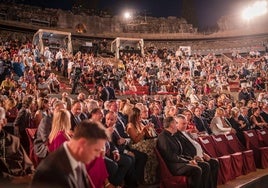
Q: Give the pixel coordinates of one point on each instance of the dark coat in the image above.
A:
(55, 171)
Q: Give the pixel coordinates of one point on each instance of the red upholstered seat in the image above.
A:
(31, 135)
(223, 149)
(263, 136)
(167, 180)
(260, 153)
(248, 157)
(225, 162)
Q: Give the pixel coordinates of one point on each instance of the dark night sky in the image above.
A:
(208, 11)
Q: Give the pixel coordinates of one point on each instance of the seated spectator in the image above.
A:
(143, 140)
(238, 125)
(54, 83)
(6, 85)
(200, 122)
(193, 149)
(170, 111)
(65, 167)
(218, 124)
(42, 110)
(120, 166)
(156, 118)
(131, 86)
(24, 120)
(191, 128)
(97, 169)
(257, 120)
(171, 150)
(259, 83)
(60, 130)
(15, 165)
(43, 86)
(11, 110)
(264, 112)
(44, 129)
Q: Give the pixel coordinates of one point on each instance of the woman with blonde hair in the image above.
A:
(219, 124)
(60, 131)
(170, 111)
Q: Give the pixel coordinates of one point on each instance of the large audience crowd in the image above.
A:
(183, 89)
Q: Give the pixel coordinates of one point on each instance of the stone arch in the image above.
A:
(80, 28)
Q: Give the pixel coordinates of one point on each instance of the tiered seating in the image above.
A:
(234, 86)
(234, 159)
(89, 87)
(223, 149)
(225, 161)
(260, 152)
(248, 157)
(63, 86)
(141, 90)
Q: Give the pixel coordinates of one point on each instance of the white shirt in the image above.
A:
(199, 151)
(74, 163)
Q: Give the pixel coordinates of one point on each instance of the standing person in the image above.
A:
(65, 62)
(66, 166)
(59, 57)
(171, 150)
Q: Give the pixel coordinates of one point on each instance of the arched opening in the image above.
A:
(80, 28)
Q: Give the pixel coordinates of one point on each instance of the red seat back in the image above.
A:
(221, 145)
(252, 140)
(31, 135)
(207, 144)
(167, 180)
(263, 136)
(234, 144)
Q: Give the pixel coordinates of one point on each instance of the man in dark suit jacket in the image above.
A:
(107, 92)
(137, 158)
(76, 112)
(110, 90)
(65, 167)
(200, 123)
(23, 121)
(171, 150)
(244, 118)
(193, 149)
